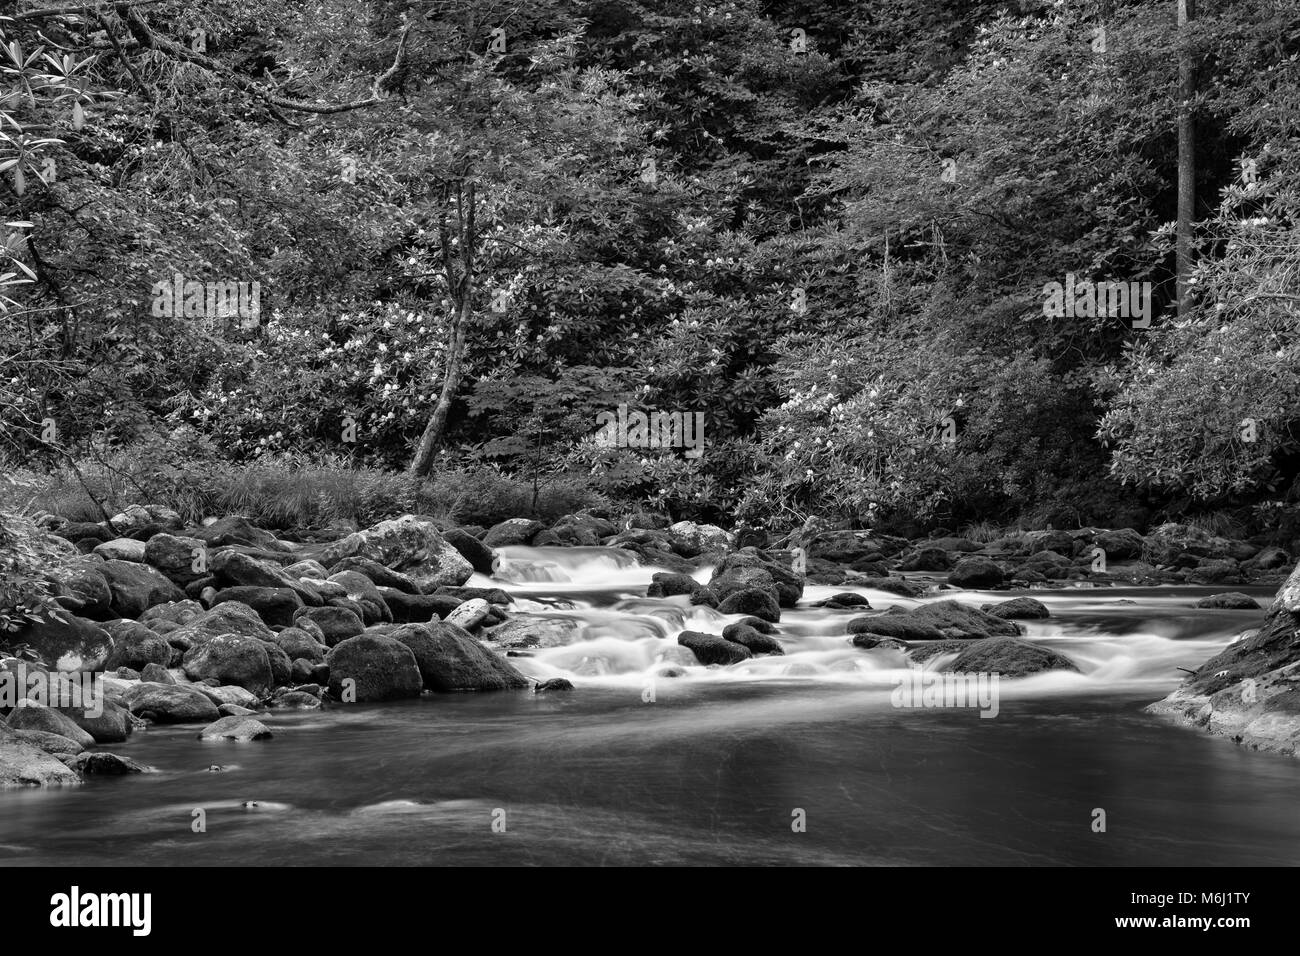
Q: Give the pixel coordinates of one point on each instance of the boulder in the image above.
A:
(478, 554)
(372, 668)
(418, 608)
(363, 593)
(137, 518)
(51, 743)
(83, 589)
(235, 728)
(106, 764)
(173, 612)
(1122, 544)
(111, 726)
(135, 646)
(235, 530)
(976, 573)
(757, 643)
(470, 614)
(170, 704)
(66, 642)
(1229, 600)
(227, 619)
(1019, 609)
(410, 544)
(181, 558)
(233, 569)
(712, 649)
(512, 531)
(899, 626)
(449, 659)
(962, 621)
(275, 606)
(298, 643)
(553, 684)
(242, 661)
(120, 549)
(23, 764)
(926, 559)
(336, 624)
(1008, 657)
(755, 601)
(378, 574)
(33, 716)
(137, 587)
(528, 631)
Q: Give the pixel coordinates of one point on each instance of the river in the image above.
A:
(800, 759)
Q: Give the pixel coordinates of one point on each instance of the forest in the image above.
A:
(910, 264)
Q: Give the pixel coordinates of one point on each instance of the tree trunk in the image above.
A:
(431, 439)
(1186, 158)
(461, 289)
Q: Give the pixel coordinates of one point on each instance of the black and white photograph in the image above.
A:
(651, 433)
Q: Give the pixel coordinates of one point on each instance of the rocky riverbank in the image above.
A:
(1249, 693)
(222, 625)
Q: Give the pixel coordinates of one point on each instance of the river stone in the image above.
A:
(1008, 657)
(23, 764)
(233, 569)
(33, 716)
(66, 642)
(961, 621)
(233, 659)
(83, 589)
(378, 574)
(173, 612)
(136, 646)
(171, 704)
(121, 549)
(137, 587)
(757, 642)
(294, 700)
(363, 593)
(1019, 609)
(410, 544)
(111, 726)
(106, 764)
(899, 626)
(478, 554)
(712, 649)
(298, 643)
(450, 659)
(275, 606)
(50, 743)
(235, 728)
(470, 614)
(227, 619)
(1229, 600)
(926, 559)
(525, 631)
(307, 568)
(975, 572)
(177, 557)
(236, 530)
(376, 667)
(1122, 544)
(755, 601)
(513, 531)
(553, 684)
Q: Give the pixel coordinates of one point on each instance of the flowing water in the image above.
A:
(795, 759)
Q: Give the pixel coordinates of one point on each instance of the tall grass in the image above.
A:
(287, 492)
